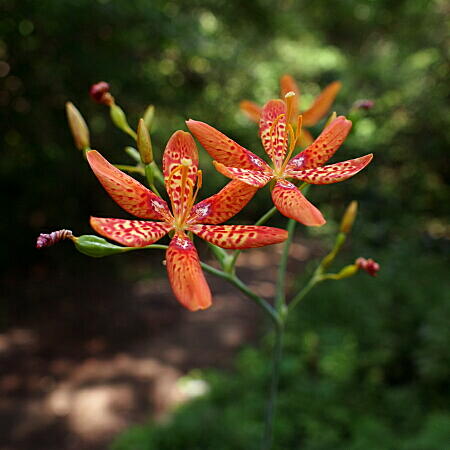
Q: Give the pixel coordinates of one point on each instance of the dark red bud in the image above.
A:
(364, 104)
(100, 92)
(47, 240)
(369, 265)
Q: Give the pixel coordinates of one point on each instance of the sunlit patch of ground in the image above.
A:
(74, 381)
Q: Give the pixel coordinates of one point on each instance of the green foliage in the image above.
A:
(373, 377)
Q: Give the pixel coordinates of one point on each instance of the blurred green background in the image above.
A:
(367, 363)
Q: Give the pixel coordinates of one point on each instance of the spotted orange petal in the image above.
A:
(239, 236)
(131, 233)
(293, 204)
(223, 149)
(128, 193)
(321, 104)
(332, 173)
(181, 146)
(251, 110)
(185, 274)
(272, 129)
(324, 147)
(288, 84)
(251, 177)
(225, 204)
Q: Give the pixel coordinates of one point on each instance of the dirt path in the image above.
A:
(79, 375)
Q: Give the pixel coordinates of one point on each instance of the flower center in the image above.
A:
(291, 136)
(187, 194)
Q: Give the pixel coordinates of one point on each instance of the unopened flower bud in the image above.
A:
(347, 271)
(349, 217)
(369, 265)
(149, 116)
(78, 127)
(119, 118)
(363, 104)
(144, 143)
(100, 93)
(47, 240)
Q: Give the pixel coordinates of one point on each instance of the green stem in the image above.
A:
(280, 292)
(131, 169)
(299, 297)
(271, 405)
(263, 219)
(234, 280)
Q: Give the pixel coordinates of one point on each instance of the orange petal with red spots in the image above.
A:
(131, 233)
(251, 177)
(223, 149)
(293, 204)
(272, 128)
(332, 173)
(251, 110)
(324, 147)
(128, 193)
(239, 236)
(225, 204)
(185, 274)
(180, 148)
(288, 84)
(321, 104)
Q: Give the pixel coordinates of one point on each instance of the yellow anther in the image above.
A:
(187, 162)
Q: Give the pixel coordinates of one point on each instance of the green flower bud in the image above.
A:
(97, 247)
(349, 217)
(144, 143)
(78, 127)
(120, 120)
(149, 116)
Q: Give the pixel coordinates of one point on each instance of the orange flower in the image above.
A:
(183, 181)
(237, 163)
(311, 116)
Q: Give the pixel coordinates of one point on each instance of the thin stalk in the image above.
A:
(266, 443)
(131, 169)
(280, 292)
(263, 219)
(302, 293)
(234, 280)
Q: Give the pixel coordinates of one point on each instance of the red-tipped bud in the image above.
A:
(364, 104)
(100, 93)
(369, 265)
(47, 240)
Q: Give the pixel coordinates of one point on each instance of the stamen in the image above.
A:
(294, 137)
(191, 201)
(290, 99)
(299, 127)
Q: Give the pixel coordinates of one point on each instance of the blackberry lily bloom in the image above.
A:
(311, 116)
(238, 163)
(183, 181)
